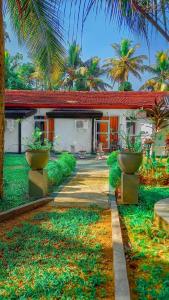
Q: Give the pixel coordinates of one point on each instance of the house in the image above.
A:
(76, 121)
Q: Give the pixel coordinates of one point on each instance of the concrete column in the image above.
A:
(38, 184)
(129, 188)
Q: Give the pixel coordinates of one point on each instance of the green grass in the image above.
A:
(149, 245)
(52, 256)
(16, 177)
(15, 181)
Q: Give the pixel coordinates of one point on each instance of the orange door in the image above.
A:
(114, 126)
(51, 123)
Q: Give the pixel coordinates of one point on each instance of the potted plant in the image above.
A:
(37, 153)
(131, 157)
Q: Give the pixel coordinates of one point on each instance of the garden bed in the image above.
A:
(146, 246)
(57, 254)
(16, 191)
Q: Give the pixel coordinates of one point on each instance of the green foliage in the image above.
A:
(16, 177)
(52, 256)
(125, 63)
(37, 24)
(59, 169)
(132, 144)
(160, 70)
(139, 16)
(37, 142)
(81, 75)
(155, 170)
(17, 75)
(15, 181)
(112, 158)
(148, 243)
(115, 171)
(125, 86)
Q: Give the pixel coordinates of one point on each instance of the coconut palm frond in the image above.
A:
(138, 15)
(126, 63)
(37, 23)
(160, 82)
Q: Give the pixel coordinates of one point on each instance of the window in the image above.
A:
(40, 122)
(131, 127)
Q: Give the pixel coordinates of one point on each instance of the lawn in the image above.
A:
(16, 177)
(57, 254)
(15, 181)
(146, 247)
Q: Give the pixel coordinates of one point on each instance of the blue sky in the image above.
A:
(97, 38)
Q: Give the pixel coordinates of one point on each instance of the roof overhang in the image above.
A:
(74, 113)
(19, 113)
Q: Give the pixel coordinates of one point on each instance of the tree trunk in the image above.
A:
(2, 92)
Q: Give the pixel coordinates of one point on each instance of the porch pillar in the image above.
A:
(19, 137)
(92, 140)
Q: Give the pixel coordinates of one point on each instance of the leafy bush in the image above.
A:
(112, 158)
(59, 169)
(55, 173)
(115, 172)
(155, 171)
(69, 159)
(16, 190)
(37, 142)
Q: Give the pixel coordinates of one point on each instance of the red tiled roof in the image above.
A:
(65, 99)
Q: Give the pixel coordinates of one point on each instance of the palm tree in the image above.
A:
(125, 63)
(159, 115)
(138, 15)
(160, 81)
(94, 75)
(79, 75)
(72, 63)
(37, 24)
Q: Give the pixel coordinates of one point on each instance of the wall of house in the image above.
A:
(68, 137)
(26, 131)
(11, 136)
(11, 133)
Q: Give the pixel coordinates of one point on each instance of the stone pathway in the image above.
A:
(88, 187)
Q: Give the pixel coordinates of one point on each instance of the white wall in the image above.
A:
(67, 134)
(11, 135)
(26, 131)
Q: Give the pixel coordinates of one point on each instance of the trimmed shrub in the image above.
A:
(115, 172)
(59, 169)
(69, 159)
(112, 158)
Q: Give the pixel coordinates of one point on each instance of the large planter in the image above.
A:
(130, 162)
(37, 159)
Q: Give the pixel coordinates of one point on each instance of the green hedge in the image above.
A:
(115, 172)
(61, 168)
(16, 170)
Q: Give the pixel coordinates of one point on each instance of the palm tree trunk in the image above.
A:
(2, 92)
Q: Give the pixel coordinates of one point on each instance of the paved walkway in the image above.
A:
(88, 187)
